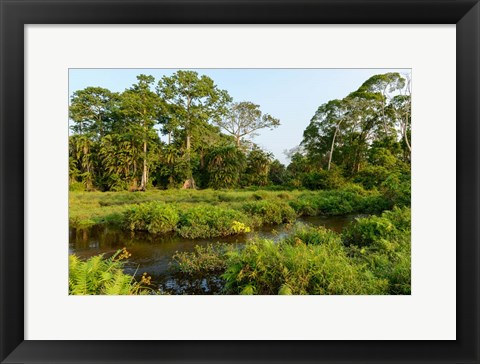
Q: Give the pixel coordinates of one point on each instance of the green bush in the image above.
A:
(372, 176)
(339, 202)
(383, 244)
(265, 267)
(206, 221)
(323, 180)
(371, 257)
(204, 260)
(378, 231)
(397, 189)
(154, 217)
(312, 235)
(270, 212)
(76, 186)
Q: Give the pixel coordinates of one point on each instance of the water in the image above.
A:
(153, 254)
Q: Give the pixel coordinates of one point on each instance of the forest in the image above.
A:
(170, 168)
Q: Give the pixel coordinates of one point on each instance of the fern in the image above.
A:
(101, 276)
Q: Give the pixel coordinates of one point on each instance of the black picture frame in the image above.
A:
(17, 13)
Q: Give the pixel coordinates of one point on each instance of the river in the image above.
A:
(153, 254)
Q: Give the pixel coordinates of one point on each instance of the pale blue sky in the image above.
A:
(291, 95)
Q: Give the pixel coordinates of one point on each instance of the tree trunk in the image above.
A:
(405, 134)
(331, 149)
(189, 182)
(189, 172)
(143, 183)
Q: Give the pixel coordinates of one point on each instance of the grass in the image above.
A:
(213, 213)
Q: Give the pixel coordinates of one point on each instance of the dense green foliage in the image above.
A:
(104, 276)
(152, 217)
(371, 257)
(270, 212)
(115, 143)
(264, 267)
(211, 213)
(188, 148)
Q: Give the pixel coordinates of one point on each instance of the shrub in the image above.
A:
(323, 180)
(397, 189)
(312, 235)
(270, 212)
(378, 231)
(206, 221)
(315, 260)
(383, 244)
(373, 203)
(372, 176)
(76, 186)
(102, 276)
(265, 267)
(284, 196)
(204, 260)
(340, 202)
(154, 217)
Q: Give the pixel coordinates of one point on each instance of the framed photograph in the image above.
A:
(239, 181)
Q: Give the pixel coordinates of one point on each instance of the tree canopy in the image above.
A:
(185, 131)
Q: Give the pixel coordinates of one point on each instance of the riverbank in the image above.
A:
(172, 234)
(369, 255)
(215, 213)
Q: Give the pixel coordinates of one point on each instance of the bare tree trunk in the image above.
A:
(190, 182)
(405, 133)
(383, 111)
(143, 183)
(331, 149)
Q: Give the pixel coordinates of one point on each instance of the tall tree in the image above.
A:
(192, 100)
(141, 108)
(245, 119)
(324, 128)
(258, 167)
(386, 86)
(225, 165)
(92, 110)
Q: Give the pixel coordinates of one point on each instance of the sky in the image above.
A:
(291, 95)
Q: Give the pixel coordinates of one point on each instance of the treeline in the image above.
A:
(115, 142)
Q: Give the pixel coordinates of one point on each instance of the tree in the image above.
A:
(342, 131)
(258, 167)
(386, 86)
(81, 160)
(298, 166)
(92, 110)
(245, 119)
(225, 164)
(141, 107)
(324, 126)
(278, 173)
(191, 102)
